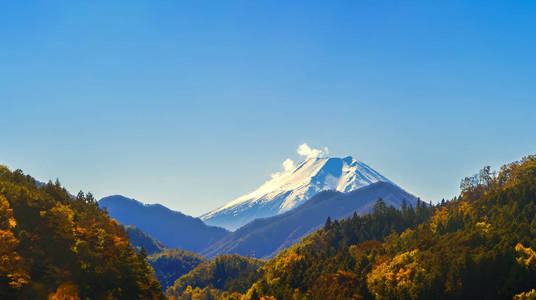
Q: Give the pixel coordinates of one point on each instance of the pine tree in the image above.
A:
(327, 226)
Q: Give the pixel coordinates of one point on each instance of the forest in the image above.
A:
(58, 246)
(479, 245)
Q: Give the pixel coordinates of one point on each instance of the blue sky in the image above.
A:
(192, 104)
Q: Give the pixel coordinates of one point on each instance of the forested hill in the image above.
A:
(477, 246)
(171, 264)
(55, 246)
(225, 277)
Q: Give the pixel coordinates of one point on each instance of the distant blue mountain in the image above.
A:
(172, 228)
(264, 238)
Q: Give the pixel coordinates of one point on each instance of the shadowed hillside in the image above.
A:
(172, 228)
(140, 239)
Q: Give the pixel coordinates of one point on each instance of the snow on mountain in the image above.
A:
(289, 189)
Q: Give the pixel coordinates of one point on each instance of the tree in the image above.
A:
(485, 176)
(468, 183)
(380, 207)
(327, 226)
(404, 205)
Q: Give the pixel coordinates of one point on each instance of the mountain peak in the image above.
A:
(292, 187)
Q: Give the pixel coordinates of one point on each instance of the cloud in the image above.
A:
(288, 164)
(305, 150)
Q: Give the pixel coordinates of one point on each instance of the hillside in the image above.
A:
(140, 239)
(168, 264)
(294, 186)
(476, 246)
(264, 238)
(230, 273)
(171, 264)
(58, 247)
(172, 228)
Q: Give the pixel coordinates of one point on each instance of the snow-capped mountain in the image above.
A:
(295, 185)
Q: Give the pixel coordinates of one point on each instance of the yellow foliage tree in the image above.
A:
(396, 278)
(12, 270)
(527, 256)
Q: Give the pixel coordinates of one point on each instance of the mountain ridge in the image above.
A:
(173, 228)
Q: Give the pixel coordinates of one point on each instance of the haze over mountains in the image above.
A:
(292, 187)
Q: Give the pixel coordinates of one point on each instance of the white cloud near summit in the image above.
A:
(305, 150)
(288, 164)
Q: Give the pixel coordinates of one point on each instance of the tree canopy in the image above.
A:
(58, 246)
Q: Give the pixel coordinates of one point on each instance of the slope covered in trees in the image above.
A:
(466, 249)
(140, 239)
(168, 264)
(171, 264)
(226, 277)
(480, 245)
(57, 246)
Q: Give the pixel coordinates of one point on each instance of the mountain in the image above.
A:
(140, 239)
(172, 228)
(289, 189)
(479, 245)
(264, 238)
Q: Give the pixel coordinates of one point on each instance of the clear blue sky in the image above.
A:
(192, 104)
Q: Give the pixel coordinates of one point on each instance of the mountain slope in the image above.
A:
(263, 238)
(171, 264)
(478, 246)
(172, 228)
(168, 264)
(54, 246)
(232, 273)
(140, 239)
(293, 187)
